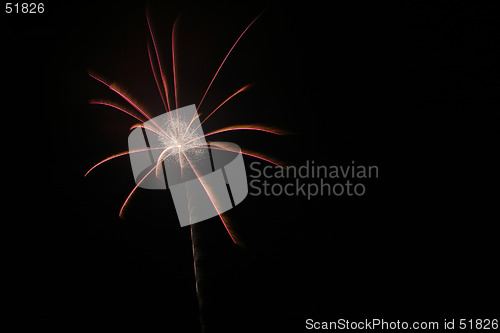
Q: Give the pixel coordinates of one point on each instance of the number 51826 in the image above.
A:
(24, 8)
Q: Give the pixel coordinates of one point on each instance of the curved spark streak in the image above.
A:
(117, 108)
(173, 72)
(225, 58)
(212, 144)
(160, 159)
(222, 64)
(226, 100)
(173, 67)
(217, 108)
(122, 95)
(250, 128)
(127, 99)
(162, 134)
(236, 128)
(159, 63)
(210, 197)
(118, 155)
(136, 187)
(196, 115)
(156, 79)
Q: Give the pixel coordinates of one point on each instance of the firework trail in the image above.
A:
(179, 139)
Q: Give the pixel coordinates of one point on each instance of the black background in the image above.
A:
(411, 88)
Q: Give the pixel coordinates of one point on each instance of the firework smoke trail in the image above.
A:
(195, 249)
(177, 139)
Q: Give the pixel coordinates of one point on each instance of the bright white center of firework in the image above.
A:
(182, 138)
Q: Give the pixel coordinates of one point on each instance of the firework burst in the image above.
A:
(180, 141)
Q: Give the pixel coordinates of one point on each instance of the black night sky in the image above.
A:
(411, 88)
